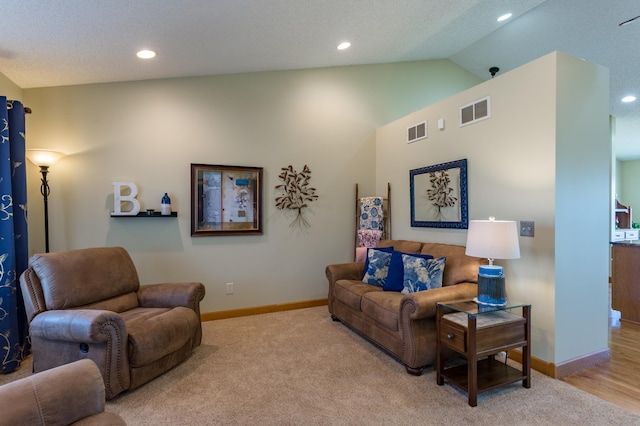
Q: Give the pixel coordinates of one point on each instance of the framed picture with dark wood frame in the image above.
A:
(225, 200)
(439, 196)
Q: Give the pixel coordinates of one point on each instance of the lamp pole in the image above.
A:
(45, 191)
(44, 159)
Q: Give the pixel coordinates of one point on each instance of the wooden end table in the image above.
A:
(479, 332)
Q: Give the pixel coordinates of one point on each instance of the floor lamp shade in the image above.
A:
(43, 157)
(492, 239)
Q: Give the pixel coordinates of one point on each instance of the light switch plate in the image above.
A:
(527, 228)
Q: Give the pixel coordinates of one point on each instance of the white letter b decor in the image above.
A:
(119, 200)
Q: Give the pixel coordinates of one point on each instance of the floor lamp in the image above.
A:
(44, 159)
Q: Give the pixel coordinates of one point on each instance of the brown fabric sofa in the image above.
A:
(72, 394)
(89, 303)
(403, 325)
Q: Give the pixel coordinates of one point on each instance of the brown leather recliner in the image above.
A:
(72, 394)
(89, 303)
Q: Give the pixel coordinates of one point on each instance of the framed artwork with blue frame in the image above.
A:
(439, 196)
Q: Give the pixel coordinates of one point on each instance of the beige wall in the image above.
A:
(9, 89)
(629, 182)
(149, 132)
(519, 168)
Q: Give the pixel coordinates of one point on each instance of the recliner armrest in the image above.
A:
(171, 295)
(61, 395)
(78, 325)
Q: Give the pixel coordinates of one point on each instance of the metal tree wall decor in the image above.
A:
(439, 195)
(440, 192)
(297, 193)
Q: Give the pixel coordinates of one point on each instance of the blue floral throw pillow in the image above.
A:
(395, 279)
(422, 274)
(378, 269)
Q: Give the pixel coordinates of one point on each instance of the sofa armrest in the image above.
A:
(61, 395)
(171, 295)
(344, 271)
(422, 304)
(78, 325)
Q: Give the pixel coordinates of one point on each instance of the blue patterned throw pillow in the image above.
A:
(422, 274)
(378, 267)
(395, 279)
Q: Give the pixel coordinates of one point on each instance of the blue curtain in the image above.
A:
(14, 251)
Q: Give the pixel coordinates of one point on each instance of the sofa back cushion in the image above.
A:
(459, 268)
(76, 278)
(404, 246)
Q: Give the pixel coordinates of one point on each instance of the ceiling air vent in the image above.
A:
(417, 132)
(475, 111)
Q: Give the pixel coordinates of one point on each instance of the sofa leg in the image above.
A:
(414, 371)
(335, 318)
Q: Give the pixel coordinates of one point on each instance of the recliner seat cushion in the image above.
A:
(156, 332)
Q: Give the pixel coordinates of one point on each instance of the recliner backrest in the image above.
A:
(75, 278)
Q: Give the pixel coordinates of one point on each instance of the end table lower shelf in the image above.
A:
(491, 374)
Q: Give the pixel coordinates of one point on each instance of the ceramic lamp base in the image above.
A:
(491, 288)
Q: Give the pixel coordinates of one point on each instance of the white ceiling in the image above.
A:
(68, 42)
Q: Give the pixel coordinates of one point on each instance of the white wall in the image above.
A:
(583, 194)
(518, 165)
(149, 132)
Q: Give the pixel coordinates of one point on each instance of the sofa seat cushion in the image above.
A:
(156, 332)
(383, 307)
(350, 292)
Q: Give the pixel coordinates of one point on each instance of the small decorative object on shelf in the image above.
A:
(165, 206)
(297, 193)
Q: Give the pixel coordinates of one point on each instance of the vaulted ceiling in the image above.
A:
(68, 42)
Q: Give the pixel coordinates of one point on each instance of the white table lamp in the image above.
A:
(492, 239)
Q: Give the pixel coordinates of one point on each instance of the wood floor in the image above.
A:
(616, 381)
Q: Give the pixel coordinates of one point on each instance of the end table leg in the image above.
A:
(526, 351)
(439, 361)
(472, 363)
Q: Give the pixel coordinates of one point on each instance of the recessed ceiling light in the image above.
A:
(629, 98)
(505, 17)
(344, 45)
(146, 54)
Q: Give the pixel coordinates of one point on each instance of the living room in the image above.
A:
(149, 133)
(542, 156)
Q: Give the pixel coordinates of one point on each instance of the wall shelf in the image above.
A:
(145, 214)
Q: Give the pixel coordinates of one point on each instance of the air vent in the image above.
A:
(475, 111)
(417, 132)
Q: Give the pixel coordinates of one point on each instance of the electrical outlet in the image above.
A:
(229, 288)
(527, 228)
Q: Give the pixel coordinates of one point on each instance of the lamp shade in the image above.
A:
(43, 157)
(493, 239)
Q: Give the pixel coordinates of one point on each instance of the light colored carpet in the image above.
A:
(299, 367)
